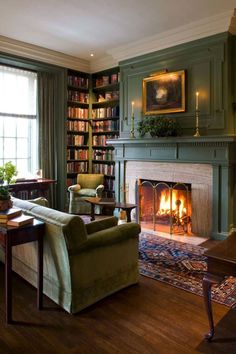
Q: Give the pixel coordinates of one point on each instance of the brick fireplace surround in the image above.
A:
(208, 163)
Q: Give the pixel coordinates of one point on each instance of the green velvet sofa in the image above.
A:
(83, 263)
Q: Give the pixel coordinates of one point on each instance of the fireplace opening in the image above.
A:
(165, 206)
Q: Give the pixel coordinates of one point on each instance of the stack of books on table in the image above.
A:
(14, 217)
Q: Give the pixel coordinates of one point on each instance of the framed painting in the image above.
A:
(164, 93)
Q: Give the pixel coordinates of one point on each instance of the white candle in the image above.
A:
(197, 95)
(132, 112)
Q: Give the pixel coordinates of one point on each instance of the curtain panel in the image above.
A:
(47, 129)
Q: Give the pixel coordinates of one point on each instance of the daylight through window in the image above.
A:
(18, 113)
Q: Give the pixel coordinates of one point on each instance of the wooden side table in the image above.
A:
(110, 203)
(13, 236)
(221, 262)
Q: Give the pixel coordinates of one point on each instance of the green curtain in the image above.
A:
(47, 129)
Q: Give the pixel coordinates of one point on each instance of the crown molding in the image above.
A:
(187, 33)
(232, 27)
(22, 49)
(103, 63)
(199, 29)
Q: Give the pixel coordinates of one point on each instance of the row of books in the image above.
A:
(77, 112)
(78, 96)
(105, 126)
(77, 167)
(78, 81)
(103, 155)
(77, 126)
(103, 168)
(76, 140)
(108, 112)
(14, 217)
(73, 154)
(108, 96)
(107, 80)
(102, 139)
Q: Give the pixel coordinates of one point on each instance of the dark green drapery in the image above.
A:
(47, 128)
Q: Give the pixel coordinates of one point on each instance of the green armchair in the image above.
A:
(88, 185)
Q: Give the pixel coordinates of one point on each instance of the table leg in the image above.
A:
(40, 274)
(128, 214)
(92, 212)
(8, 280)
(208, 281)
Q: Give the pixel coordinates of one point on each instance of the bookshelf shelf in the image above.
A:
(105, 118)
(104, 88)
(106, 103)
(78, 88)
(84, 104)
(106, 132)
(80, 119)
(78, 146)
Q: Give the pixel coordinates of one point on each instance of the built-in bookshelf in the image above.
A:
(92, 118)
(105, 124)
(77, 125)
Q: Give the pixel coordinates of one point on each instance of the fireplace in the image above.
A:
(207, 163)
(164, 206)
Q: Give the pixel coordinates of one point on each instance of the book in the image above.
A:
(9, 214)
(21, 220)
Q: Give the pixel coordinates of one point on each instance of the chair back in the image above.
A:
(90, 180)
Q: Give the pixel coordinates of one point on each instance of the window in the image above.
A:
(18, 112)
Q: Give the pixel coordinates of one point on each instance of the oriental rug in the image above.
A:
(180, 265)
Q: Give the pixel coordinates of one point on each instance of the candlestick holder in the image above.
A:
(197, 134)
(132, 136)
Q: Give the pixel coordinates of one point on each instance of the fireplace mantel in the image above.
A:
(219, 151)
(213, 149)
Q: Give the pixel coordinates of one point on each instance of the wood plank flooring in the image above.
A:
(147, 318)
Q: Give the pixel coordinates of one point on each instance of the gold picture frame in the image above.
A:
(164, 93)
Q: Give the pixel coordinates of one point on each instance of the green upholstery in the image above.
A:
(83, 263)
(88, 185)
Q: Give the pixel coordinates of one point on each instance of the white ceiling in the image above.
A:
(80, 27)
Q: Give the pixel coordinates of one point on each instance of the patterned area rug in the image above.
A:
(181, 265)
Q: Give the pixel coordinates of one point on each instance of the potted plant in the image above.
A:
(5, 198)
(158, 126)
(7, 172)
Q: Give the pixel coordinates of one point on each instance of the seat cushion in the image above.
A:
(87, 192)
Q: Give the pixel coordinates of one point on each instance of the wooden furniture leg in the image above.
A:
(8, 280)
(92, 212)
(40, 274)
(128, 214)
(208, 281)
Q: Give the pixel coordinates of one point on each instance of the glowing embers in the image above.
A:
(165, 206)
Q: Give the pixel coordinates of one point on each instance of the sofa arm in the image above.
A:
(109, 237)
(74, 188)
(99, 190)
(99, 225)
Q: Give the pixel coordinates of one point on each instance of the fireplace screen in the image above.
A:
(165, 206)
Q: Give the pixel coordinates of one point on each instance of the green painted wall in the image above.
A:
(210, 69)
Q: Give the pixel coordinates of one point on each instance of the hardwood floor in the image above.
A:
(147, 318)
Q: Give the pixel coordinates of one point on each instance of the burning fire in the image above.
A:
(178, 204)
